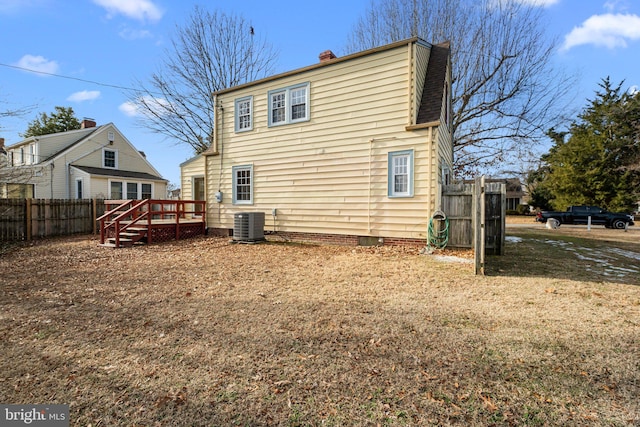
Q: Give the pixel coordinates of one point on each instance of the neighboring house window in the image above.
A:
(446, 175)
(20, 191)
(400, 174)
(11, 159)
(244, 114)
(132, 190)
(22, 155)
(79, 192)
(242, 185)
(116, 190)
(32, 154)
(109, 158)
(289, 105)
(146, 191)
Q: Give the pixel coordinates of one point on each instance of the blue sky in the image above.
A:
(114, 42)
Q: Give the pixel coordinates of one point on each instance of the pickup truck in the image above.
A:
(581, 214)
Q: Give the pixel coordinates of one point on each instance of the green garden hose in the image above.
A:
(438, 234)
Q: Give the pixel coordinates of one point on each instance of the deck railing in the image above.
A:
(128, 213)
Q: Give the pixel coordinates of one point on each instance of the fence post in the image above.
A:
(94, 214)
(27, 216)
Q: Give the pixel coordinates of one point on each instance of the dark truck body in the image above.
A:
(581, 214)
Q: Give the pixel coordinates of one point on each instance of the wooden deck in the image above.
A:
(151, 221)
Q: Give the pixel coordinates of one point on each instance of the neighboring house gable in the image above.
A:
(353, 149)
(86, 163)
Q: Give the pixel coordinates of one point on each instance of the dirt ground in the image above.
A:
(203, 332)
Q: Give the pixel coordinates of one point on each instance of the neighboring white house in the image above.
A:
(351, 150)
(89, 162)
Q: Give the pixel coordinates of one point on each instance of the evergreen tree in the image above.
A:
(598, 163)
(62, 120)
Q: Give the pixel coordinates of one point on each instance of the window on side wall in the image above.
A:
(109, 158)
(244, 114)
(132, 190)
(243, 185)
(400, 179)
(116, 190)
(289, 105)
(146, 191)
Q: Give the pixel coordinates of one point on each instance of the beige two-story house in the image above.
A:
(350, 150)
(91, 162)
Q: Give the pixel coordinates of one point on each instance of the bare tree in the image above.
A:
(10, 175)
(506, 92)
(212, 51)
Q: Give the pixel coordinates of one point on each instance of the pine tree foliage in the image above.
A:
(598, 163)
(61, 120)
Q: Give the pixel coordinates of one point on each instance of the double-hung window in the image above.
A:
(242, 185)
(116, 190)
(109, 158)
(132, 190)
(244, 114)
(146, 191)
(289, 105)
(400, 180)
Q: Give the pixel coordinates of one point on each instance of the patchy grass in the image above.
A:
(202, 332)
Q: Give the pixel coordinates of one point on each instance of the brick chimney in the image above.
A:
(87, 123)
(327, 55)
(2, 150)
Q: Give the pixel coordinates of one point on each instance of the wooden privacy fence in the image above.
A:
(476, 213)
(25, 219)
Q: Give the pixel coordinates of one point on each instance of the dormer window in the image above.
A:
(110, 158)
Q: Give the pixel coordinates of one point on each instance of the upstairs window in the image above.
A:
(109, 158)
(289, 105)
(400, 180)
(244, 114)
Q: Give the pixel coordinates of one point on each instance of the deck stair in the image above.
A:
(136, 222)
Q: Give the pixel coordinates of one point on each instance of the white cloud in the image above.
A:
(141, 10)
(608, 30)
(633, 90)
(38, 64)
(129, 109)
(130, 34)
(85, 95)
(534, 3)
(132, 109)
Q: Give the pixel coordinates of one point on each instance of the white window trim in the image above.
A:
(140, 187)
(287, 104)
(116, 158)
(234, 170)
(237, 113)
(138, 190)
(123, 189)
(81, 182)
(390, 187)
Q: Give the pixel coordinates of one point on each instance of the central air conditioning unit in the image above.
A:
(248, 227)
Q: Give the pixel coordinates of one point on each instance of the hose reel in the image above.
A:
(438, 232)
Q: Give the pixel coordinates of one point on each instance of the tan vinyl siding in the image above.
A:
(189, 170)
(324, 175)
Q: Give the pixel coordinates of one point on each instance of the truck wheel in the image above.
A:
(619, 224)
(553, 223)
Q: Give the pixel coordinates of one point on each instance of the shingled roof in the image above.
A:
(431, 103)
(118, 173)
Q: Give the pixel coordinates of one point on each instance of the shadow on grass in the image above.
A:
(569, 254)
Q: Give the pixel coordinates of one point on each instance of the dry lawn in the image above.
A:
(202, 332)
